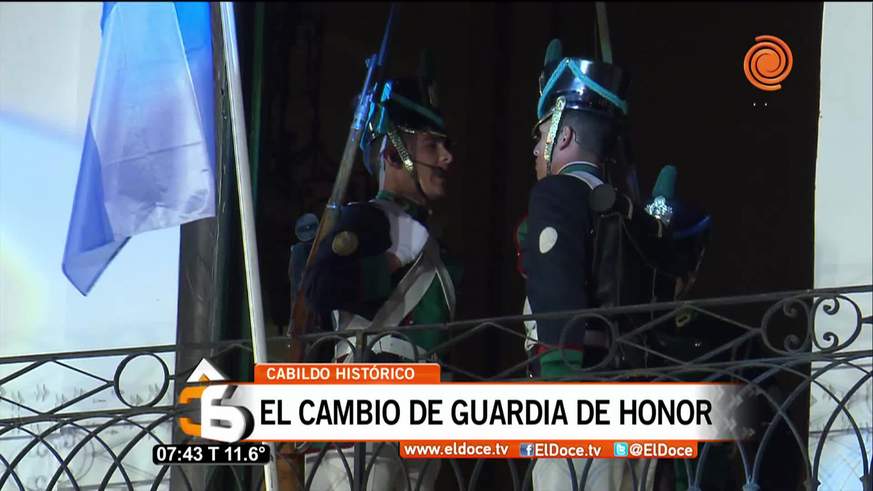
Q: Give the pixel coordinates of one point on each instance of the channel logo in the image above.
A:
(526, 449)
(619, 449)
(768, 63)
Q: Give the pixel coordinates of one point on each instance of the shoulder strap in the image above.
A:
(432, 260)
(414, 284)
(588, 178)
(445, 279)
(409, 291)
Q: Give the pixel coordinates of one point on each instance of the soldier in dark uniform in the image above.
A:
(574, 245)
(382, 267)
(581, 113)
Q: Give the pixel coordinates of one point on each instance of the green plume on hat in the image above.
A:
(553, 51)
(426, 76)
(425, 65)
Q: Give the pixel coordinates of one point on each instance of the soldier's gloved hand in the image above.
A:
(408, 237)
(660, 205)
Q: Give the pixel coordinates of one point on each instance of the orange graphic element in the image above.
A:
(347, 373)
(768, 63)
(187, 395)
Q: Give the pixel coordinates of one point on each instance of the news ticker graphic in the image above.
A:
(407, 402)
(219, 453)
(243, 453)
(576, 449)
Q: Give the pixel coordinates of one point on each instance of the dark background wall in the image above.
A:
(745, 155)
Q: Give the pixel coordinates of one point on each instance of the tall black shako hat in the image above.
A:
(581, 85)
(408, 105)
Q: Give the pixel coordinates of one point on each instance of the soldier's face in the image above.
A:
(539, 148)
(432, 158)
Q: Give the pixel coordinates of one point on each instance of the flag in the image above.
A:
(148, 156)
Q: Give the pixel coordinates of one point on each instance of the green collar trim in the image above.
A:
(581, 166)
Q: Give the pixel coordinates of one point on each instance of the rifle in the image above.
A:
(301, 317)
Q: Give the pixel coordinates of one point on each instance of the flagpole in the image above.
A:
(247, 215)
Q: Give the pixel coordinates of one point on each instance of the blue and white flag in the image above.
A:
(148, 156)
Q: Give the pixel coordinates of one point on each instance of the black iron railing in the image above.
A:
(88, 420)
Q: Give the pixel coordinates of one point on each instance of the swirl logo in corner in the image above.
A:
(768, 63)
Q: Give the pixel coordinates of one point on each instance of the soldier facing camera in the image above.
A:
(381, 267)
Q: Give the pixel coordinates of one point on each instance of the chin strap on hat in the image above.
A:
(553, 132)
(405, 158)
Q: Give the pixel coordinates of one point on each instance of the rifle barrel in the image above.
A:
(300, 315)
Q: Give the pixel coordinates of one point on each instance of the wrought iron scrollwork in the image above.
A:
(806, 336)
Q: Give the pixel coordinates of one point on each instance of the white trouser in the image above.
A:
(388, 473)
(603, 475)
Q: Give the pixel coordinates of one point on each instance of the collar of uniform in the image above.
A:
(416, 211)
(581, 165)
